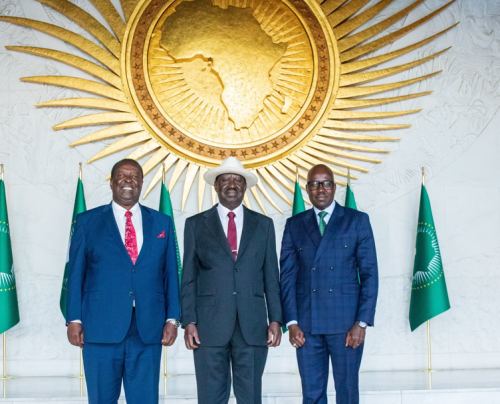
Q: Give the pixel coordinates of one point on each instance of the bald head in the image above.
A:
(320, 169)
(320, 186)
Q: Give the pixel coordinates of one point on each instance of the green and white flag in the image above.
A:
(79, 207)
(298, 207)
(298, 199)
(166, 207)
(429, 296)
(9, 309)
(350, 202)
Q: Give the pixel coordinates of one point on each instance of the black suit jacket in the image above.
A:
(216, 288)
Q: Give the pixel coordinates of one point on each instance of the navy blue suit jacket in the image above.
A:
(319, 275)
(103, 282)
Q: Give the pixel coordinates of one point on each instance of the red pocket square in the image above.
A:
(161, 235)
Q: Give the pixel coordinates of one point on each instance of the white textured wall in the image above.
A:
(455, 138)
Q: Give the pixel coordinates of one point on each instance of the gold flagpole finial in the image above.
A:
(423, 176)
(297, 173)
(1, 171)
(348, 176)
(164, 172)
(80, 173)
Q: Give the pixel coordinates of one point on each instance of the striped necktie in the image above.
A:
(322, 223)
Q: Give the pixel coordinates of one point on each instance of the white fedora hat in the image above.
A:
(231, 165)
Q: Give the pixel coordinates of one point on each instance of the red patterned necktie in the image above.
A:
(232, 236)
(130, 237)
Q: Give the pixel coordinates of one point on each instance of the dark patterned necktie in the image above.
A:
(322, 223)
(130, 238)
(232, 236)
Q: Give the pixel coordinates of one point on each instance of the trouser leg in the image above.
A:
(248, 363)
(142, 368)
(104, 364)
(213, 378)
(313, 360)
(345, 365)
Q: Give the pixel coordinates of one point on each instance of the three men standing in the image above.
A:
(230, 289)
(123, 298)
(329, 286)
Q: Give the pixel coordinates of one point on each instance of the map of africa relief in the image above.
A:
(228, 65)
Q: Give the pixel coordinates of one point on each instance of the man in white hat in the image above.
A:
(230, 302)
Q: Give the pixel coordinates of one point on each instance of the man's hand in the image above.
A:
(190, 336)
(75, 334)
(274, 334)
(296, 336)
(169, 334)
(355, 336)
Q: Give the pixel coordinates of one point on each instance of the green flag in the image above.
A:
(298, 207)
(9, 310)
(350, 202)
(429, 296)
(298, 200)
(78, 208)
(166, 207)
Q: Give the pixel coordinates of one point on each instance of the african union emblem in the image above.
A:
(428, 265)
(276, 83)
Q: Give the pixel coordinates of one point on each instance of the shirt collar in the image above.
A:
(119, 210)
(328, 210)
(223, 211)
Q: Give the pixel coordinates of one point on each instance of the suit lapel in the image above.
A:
(249, 227)
(331, 229)
(109, 219)
(212, 222)
(311, 225)
(147, 232)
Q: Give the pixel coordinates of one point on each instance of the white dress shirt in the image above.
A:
(238, 220)
(329, 211)
(121, 221)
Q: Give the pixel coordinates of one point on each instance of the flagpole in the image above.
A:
(80, 175)
(348, 176)
(165, 373)
(4, 341)
(4, 361)
(429, 350)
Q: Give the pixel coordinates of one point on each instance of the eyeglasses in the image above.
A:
(314, 185)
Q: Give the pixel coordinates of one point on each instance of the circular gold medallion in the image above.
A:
(212, 80)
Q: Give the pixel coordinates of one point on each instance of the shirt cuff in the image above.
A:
(291, 323)
(76, 321)
(169, 319)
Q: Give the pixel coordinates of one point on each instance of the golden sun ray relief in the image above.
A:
(278, 84)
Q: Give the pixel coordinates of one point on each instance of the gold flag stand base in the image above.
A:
(431, 370)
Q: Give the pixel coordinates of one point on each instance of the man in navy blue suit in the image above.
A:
(123, 292)
(329, 286)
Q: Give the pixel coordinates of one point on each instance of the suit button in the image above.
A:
(131, 293)
(314, 290)
(234, 293)
(299, 249)
(313, 269)
(331, 269)
(345, 246)
(331, 290)
(134, 270)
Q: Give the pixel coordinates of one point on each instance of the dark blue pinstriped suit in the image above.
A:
(320, 289)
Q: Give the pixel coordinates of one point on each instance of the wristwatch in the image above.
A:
(176, 323)
(362, 324)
